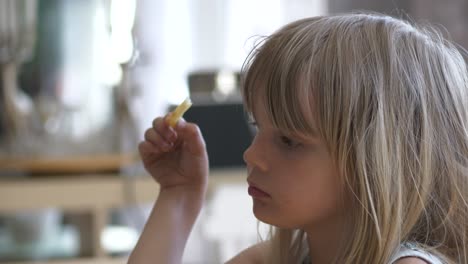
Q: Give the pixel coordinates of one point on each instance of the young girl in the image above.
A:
(361, 153)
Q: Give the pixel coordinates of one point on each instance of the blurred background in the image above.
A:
(80, 82)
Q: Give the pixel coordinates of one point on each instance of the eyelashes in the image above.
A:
(283, 141)
(288, 142)
(278, 138)
(253, 123)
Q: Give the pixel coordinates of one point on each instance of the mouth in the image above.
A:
(256, 192)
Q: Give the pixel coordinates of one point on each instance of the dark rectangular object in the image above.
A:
(226, 131)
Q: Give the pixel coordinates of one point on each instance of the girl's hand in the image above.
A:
(175, 157)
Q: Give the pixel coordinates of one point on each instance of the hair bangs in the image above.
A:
(276, 76)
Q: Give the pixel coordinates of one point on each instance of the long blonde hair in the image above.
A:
(390, 99)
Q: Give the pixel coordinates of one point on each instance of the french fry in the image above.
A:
(179, 112)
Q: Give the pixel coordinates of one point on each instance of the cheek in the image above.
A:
(312, 192)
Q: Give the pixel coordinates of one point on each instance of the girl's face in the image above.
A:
(293, 181)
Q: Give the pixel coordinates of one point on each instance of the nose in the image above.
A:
(254, 156)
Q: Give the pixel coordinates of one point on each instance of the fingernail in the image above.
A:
(166, 146)
(171, 136)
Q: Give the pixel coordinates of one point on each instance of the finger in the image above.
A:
(162, 127)
(146, 148)
(157, 140)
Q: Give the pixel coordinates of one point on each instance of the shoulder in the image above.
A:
(410, 260)
(252, 255)
(413, 253)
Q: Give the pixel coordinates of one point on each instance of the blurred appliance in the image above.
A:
(218, 111)
(226, 132)
(65, 89)
(214, 86)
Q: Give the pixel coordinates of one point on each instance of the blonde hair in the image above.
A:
(390, 100)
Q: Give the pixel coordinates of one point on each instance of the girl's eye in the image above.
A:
(253, 127)
(252, 123)
(250, 119)
(288, 142)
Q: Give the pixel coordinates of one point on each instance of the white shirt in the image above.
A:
(411, 250)
(406, 250)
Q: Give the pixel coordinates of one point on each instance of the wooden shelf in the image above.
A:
(104, 260)
(79, 164)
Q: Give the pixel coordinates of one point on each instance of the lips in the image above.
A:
(256, 192)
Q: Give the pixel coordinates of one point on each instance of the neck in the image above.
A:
(324, 241)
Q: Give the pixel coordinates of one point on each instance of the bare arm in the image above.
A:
(166, 232)
(181, 169)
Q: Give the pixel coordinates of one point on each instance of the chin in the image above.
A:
(261, 212)
(265, 215)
